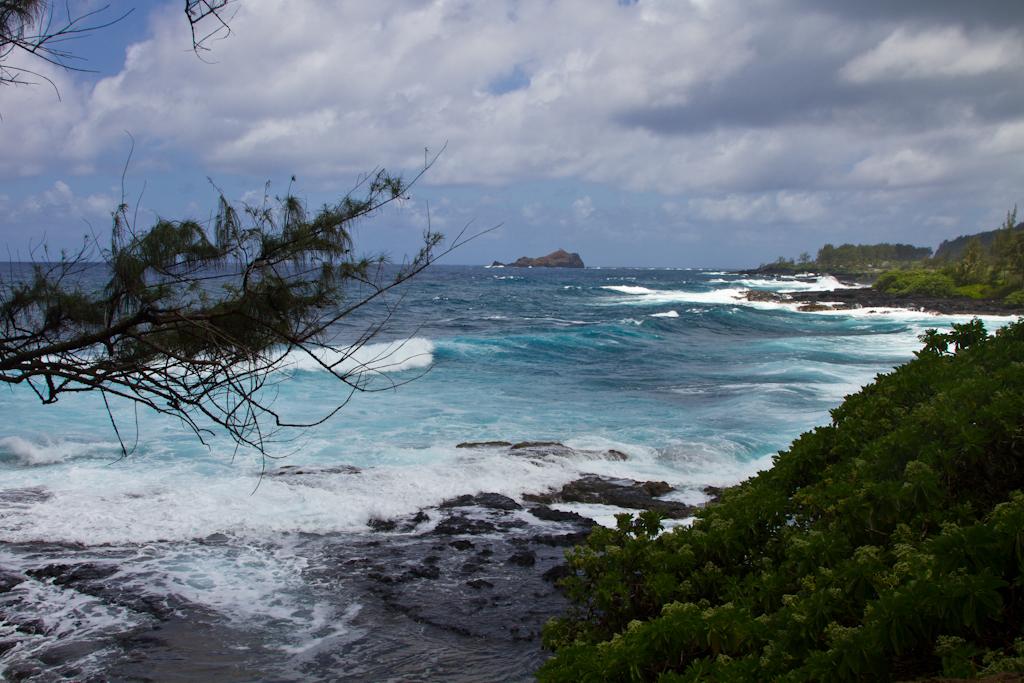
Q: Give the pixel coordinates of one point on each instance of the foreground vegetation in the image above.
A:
(888, 545)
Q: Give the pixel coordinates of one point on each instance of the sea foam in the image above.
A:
(382, 357)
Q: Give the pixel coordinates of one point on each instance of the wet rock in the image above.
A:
(541, 449)
(813, 308)
(69, 574)
(479, 584)
(292, 470)
(537, 444)
(612, 454)
(510, 524)
(400, 524)
(491, 501)
(378, 524)
(461, 544)
(868, 297)
(551, 515)
(25, 496)
(656, 488)
(458, 525)
(9, 580)
(714, 493)
(557, 573)
(763, 295)
(34, 627)
(425, 571)
(484, 444)
(624, 493)
(473, 566)
(416, 520)
(215, 539)
(23, 671)
(524, 558)
(562, 540)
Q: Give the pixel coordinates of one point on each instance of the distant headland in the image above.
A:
(556, 259)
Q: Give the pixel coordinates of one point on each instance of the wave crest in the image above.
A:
(383, 357)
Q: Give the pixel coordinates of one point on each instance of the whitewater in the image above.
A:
(243, 570)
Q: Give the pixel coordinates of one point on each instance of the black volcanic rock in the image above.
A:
(492, 501)
(624, 493)
(556, 259)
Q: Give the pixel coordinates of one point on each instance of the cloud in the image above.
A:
(936, 53)
(57, 201)
(905, 167)
(796, 108)
(789, 207)
(583, 208)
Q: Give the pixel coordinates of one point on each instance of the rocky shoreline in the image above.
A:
(870, 298)
(474, 576)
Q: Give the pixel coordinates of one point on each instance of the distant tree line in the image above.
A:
(856, 257)
(861, 255)
(988, 265)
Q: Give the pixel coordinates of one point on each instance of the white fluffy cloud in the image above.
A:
(937, 53)
(781, 111)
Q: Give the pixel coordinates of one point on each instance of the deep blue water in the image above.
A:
(696, 386)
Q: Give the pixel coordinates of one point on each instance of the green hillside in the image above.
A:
(951, 250)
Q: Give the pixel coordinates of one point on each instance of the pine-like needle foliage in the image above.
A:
(195, 325)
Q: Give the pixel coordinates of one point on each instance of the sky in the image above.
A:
(677, 133)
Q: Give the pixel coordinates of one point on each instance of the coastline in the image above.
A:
(861, 295)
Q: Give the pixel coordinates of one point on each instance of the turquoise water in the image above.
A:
(697, 387)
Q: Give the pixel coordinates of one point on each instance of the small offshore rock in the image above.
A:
(378, 524)
(656, 488)
(763, 295)
(560, 258)
(461, 544)
(813, 308)
(479, 584)
(492, 501)
(290, 470)
(612, 454)
(484, 444)
(538, 444)
(552, 515)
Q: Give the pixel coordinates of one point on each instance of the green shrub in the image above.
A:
(974, 291)
(887, 545)
(1016, 298)
(920, 282)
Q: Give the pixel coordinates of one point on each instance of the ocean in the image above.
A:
(192, 562)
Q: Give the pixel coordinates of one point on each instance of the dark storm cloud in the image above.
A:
(795, 80)
(967, 13)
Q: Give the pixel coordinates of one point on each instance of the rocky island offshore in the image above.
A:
(556, 259)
